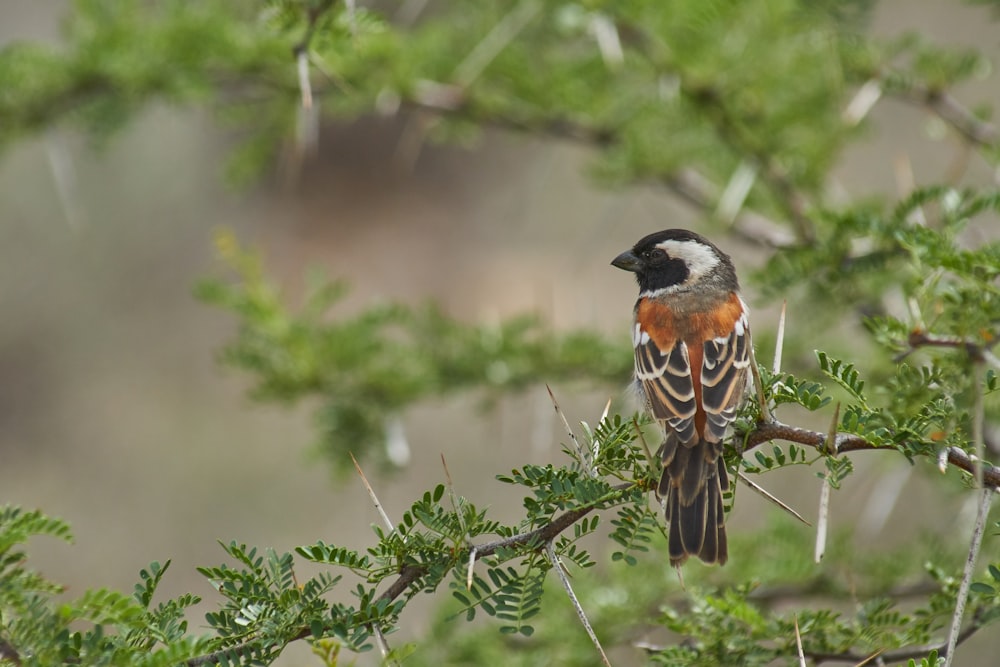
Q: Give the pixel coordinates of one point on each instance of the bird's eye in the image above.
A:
(655, 254)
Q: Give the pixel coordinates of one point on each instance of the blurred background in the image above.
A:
(108, 367)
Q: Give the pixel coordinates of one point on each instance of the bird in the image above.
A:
(691, 336)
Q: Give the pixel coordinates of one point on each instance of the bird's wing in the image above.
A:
(664, 363)
(725, 361)
(663, 367)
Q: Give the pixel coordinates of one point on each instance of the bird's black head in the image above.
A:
(675, 260)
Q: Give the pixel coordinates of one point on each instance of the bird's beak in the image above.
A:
(627, 261)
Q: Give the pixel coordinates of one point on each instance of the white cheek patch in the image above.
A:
(741, 325)
(700, 259)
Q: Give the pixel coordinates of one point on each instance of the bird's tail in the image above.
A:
(693, 479)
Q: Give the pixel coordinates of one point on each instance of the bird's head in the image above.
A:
(677, 260)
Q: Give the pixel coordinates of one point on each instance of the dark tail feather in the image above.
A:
(692, 487)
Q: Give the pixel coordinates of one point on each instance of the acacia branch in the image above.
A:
(846, 442)
(943, 105)
(900, 655)
(411, 574)
(687, 184)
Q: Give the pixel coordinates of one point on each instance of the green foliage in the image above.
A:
(101, 627)
(675, 100)
(377, 363)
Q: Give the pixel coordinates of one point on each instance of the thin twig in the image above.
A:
(977, 352)
(970, 567)
(894, 656)
(972, 128)
(550, 551)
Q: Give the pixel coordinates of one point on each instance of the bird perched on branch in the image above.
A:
(692, 356)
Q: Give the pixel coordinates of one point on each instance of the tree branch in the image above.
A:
(846, 442)
(687, 184)
(939, 102)
(900, 655)
(539, 537)
(410, 574)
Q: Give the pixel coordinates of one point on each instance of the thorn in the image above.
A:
(453, 497)
(576, 443)
(765, 410)
(943, 460)
(472, 565)
(863, 101)
(645, 445)
(608, 41)
(798, 643)
(607, 410)
(870, 658)
(371, 494)
(830, 448)
(970, 569)
(550, 551)
(769, 496)
(779, 343)
(735, 194)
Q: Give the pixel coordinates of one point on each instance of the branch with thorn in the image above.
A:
(775, 430)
